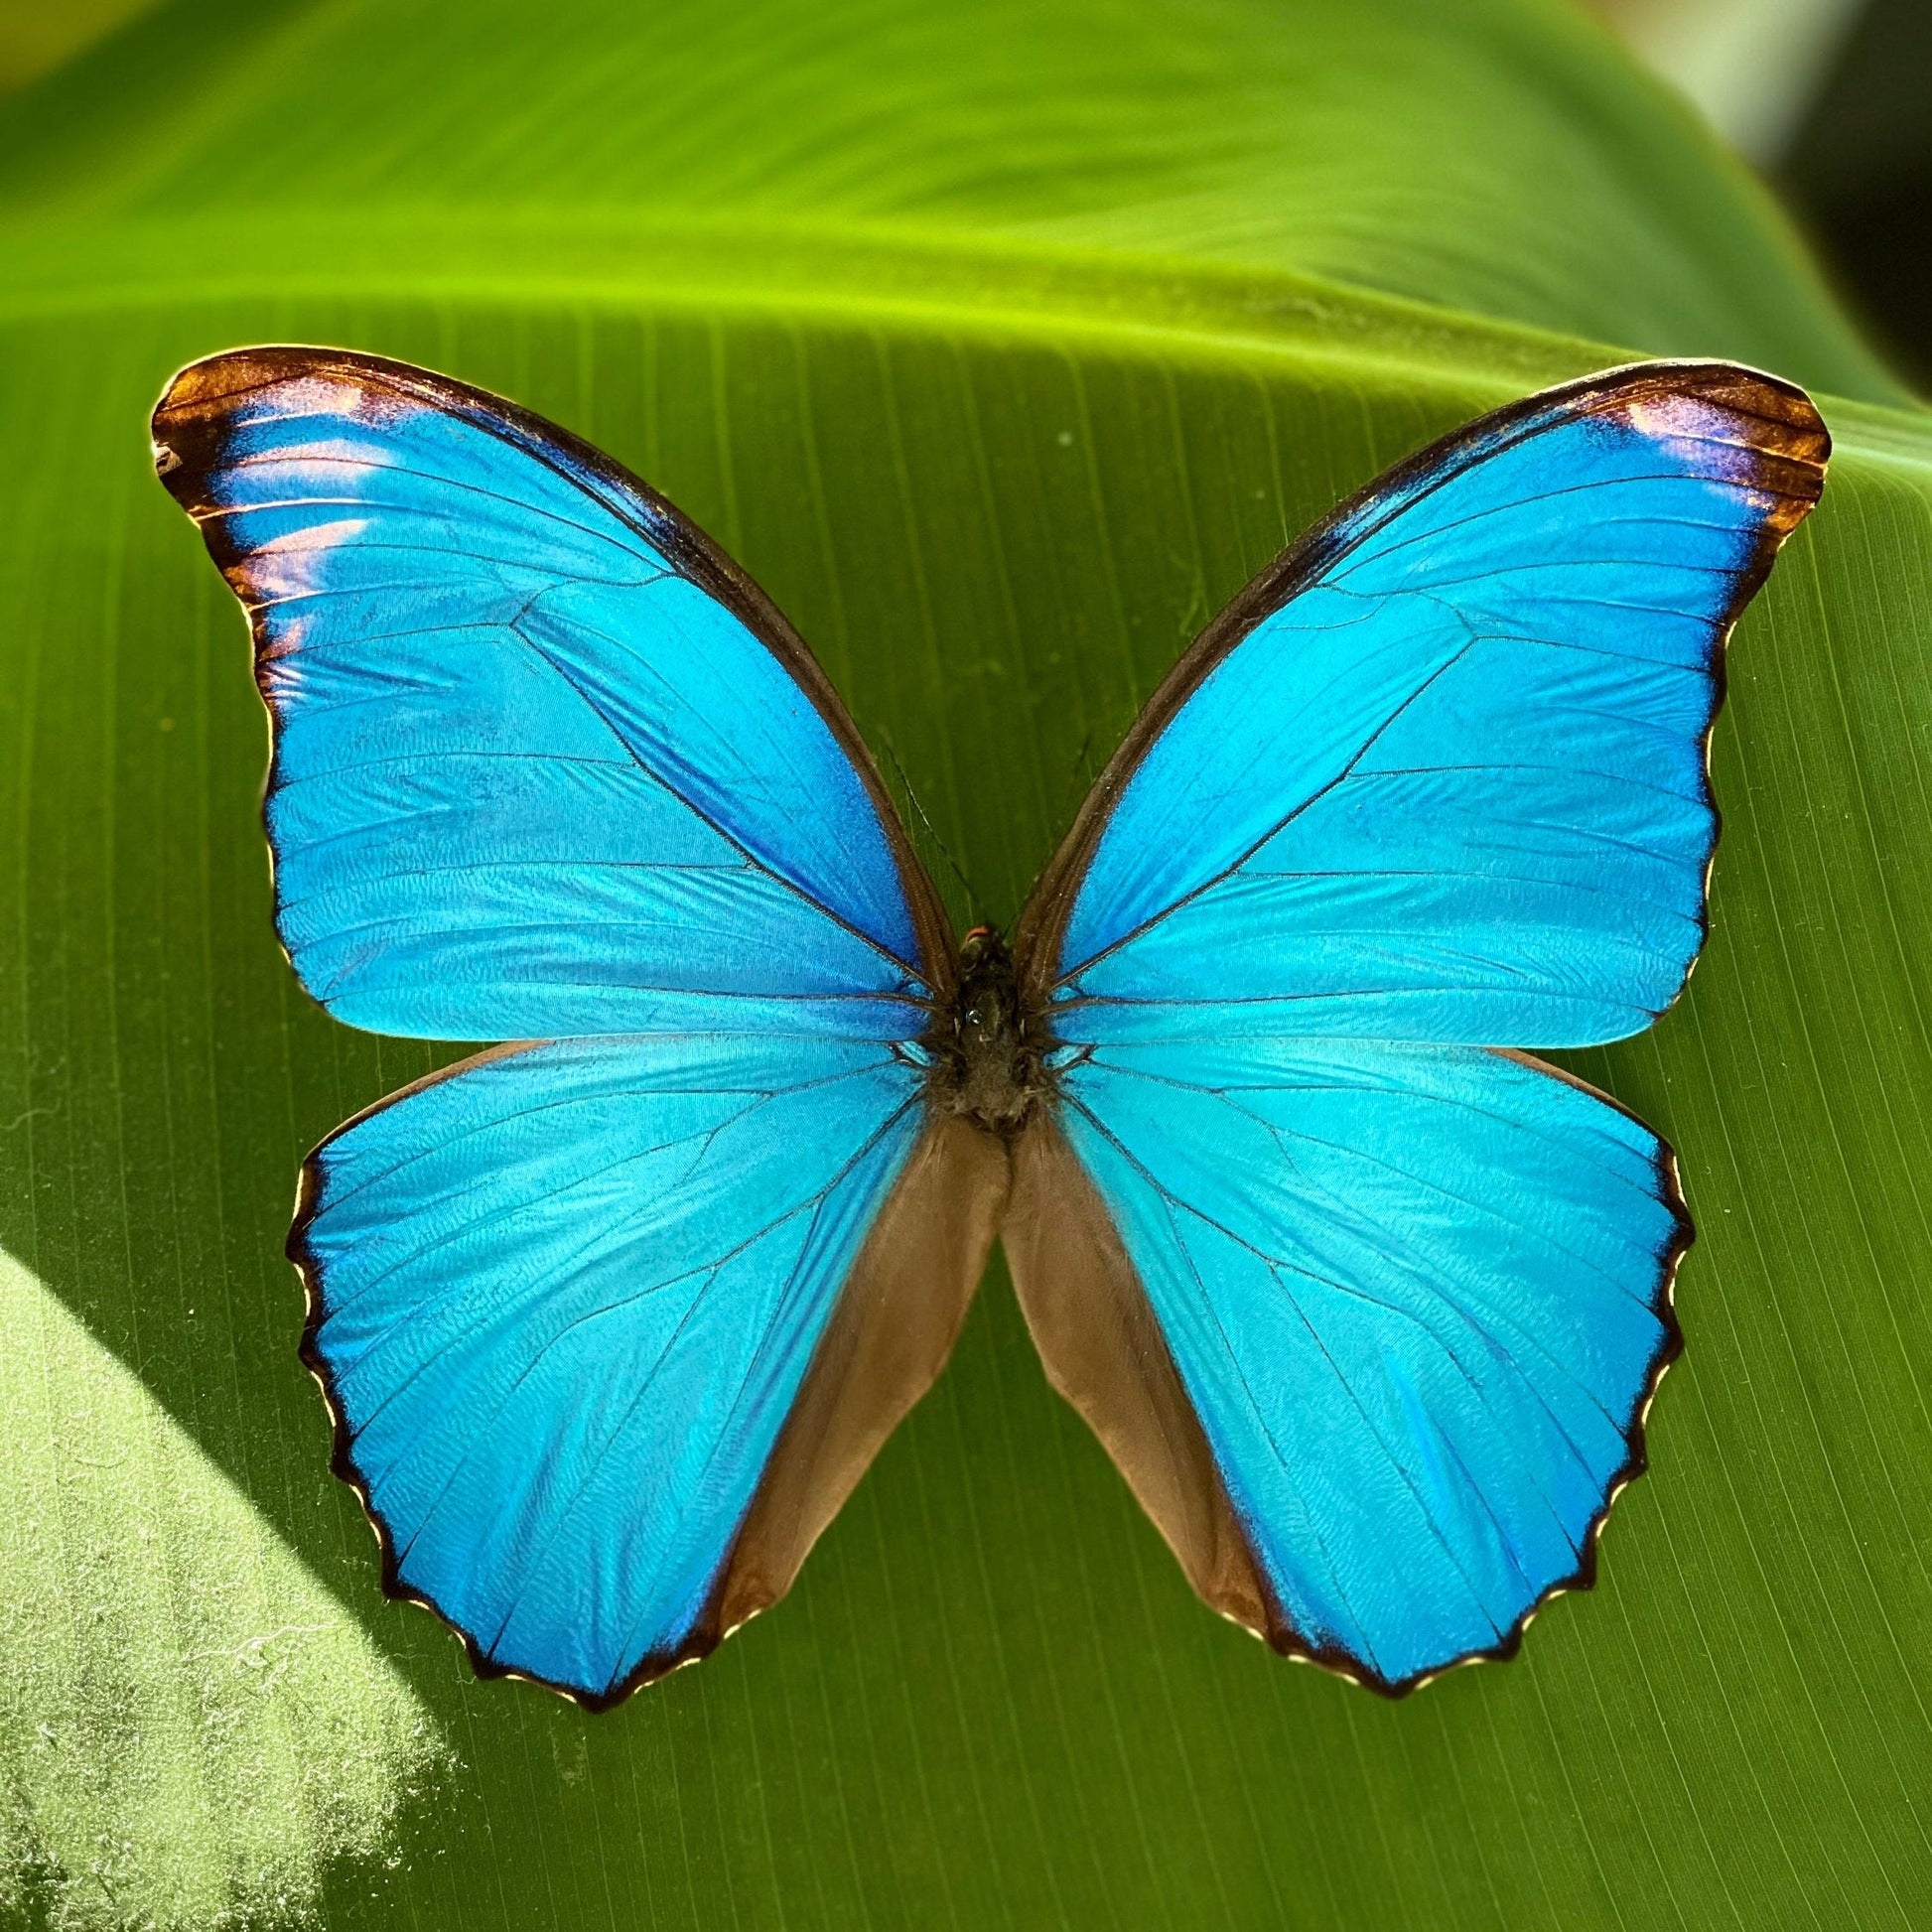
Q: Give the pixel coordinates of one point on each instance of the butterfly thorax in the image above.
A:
(986, 1059)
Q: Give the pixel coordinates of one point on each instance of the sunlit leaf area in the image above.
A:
(1001, 342)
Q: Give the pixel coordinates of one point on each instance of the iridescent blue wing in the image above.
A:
(1434, 783)
(610, 1325)
(545, 762)
(1417, 1296)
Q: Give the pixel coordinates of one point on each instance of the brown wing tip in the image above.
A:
(1751, 392)
(1782, 441)
(1788, 418)
(190, 422)
(215, 380)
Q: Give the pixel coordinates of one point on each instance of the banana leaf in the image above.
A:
(1001, 342)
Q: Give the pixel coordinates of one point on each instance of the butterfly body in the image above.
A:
(990, 1048)
(1366, 1304)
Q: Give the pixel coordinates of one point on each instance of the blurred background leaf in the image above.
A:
(35, 37)
(1828, 96)
(1002, 342)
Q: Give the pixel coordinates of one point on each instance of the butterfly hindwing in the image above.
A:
(1419, 1298)
(563, 1300)
(1434, 785)
(611, 1320)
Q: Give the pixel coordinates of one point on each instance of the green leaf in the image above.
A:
(1001, 343)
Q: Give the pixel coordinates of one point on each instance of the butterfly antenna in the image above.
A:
(932, 831)
(1081, 776)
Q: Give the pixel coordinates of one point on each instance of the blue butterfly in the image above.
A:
(1367, 1305)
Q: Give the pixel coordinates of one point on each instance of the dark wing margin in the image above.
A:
(1789, 448)
(191, 429)
(893, 1327)
(1105, 1353)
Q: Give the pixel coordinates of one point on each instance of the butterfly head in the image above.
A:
(986, 1048)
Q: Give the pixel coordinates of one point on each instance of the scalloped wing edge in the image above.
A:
(893, 1327)
(1105, 1354)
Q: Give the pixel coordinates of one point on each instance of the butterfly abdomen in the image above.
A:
(986, 1050)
